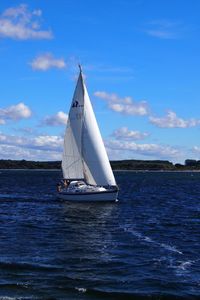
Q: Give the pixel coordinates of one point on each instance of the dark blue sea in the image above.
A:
(146, 246)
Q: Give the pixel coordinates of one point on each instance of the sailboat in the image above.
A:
(85, 164)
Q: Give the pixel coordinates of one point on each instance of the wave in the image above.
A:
(114, 295)
(184, 268)
(19, 197)
(26, 298)
(18, 298)
(27, 266)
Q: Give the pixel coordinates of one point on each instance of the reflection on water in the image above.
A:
(89, 228)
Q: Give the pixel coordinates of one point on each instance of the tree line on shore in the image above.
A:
(130, 164)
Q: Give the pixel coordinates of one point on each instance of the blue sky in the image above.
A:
(142, 68)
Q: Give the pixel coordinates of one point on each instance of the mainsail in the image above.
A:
(84, 154)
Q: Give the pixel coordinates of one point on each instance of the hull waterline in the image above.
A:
(89, 197)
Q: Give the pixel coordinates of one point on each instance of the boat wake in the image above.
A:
(181, 267)
(147, 239)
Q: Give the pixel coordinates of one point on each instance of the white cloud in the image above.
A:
(171, 121)
(47, 147)
(163, 34)
(17, 152)
(56, 120)
(21, 24)
(43, 147)
(15, 113)
(124, 134)
(196, 150)
(2, 122)
(163, 29)
(124, 105)
(47, 61)
(158, 151)
(48, 142)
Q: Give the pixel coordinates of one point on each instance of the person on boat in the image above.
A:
(66, 183)
(59, 187)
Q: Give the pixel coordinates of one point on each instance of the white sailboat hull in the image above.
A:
(104, 196)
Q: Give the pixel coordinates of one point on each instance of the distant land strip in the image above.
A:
(131, 164)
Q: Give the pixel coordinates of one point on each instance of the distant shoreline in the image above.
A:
(115, 170)
(119, 165)
(159, 171)
(27, 169)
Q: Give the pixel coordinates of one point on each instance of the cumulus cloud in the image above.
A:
(45, 142)
(196, 149)
(124, 134)
(40, 147)
(49, 147)
(18, 152)
(15, 113)
(22, 24)
(171, 121)
(124, 105)
(47, 61)
(48, 142)
(155, 150)
(56, 120)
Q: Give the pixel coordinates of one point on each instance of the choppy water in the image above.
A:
(147, 244)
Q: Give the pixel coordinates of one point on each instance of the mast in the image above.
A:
(80, 68)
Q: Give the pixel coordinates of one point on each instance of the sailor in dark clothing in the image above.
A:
(59, 187)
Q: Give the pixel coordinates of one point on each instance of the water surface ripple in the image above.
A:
(146, 246)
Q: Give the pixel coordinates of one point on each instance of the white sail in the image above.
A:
(93, 150)
(84, 154)
(72, 166)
